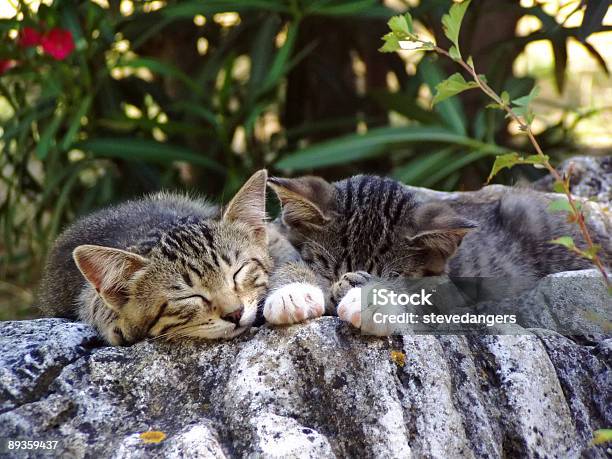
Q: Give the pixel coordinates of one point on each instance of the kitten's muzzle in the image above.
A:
(234, 316)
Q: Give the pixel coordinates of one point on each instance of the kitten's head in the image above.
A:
(367, 223)
(202, 278)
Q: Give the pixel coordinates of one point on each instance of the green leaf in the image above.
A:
(450, 110)
(558, 187)
(454, 53)
(391, 43)
(281, 63)
(459, 162)
(345, 8)
(409, 22)
(132, 149)
(565, 241)
(162, 68)
(42, 149)
(560, 205)
(505, 97)
(559, 45)
(525, 101)
(188, 9)
(512, 159)
(376, 141)
(591, 252)
(399, 26)
(75, 123)
(415, 171)
(602, 436)
(453, 85)
(405, 104)
(452, 22)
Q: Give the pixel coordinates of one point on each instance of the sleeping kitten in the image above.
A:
(368, 228)
(163, 266)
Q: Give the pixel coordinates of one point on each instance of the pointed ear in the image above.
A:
(249, 205)
(108, 270)
(439, 233)
(305, 201)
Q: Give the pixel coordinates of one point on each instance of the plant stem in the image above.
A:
(526, 127)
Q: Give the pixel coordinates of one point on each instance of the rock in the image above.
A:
(318, 389)
(590, 177)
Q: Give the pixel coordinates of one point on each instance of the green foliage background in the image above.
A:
(297, 86)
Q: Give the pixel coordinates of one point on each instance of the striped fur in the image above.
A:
(165, 266)
(377, 227)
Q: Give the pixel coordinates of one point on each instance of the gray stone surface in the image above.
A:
(314, 390)
(591, 177)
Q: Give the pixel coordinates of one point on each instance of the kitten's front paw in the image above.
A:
(294, 303)
(349, 308)
(346, 282)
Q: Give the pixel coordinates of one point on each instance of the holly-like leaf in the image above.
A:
(565, 241)
(391, 43)
(512, 159)
(525, 101)
(399, 26)
(558, 187)
(453, 85)
(452, 22)
(591, 251)
(560, 205)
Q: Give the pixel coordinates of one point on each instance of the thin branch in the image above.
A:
(526, 127)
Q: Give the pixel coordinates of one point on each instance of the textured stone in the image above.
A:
(590, 177)
(318, 389)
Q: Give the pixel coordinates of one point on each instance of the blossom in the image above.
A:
(29, 37)
(58, 43)
(6, 64)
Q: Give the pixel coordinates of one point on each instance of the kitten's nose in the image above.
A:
(234, 316)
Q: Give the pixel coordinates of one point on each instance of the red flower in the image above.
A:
(58, 43)
(6, 64)
(29, 37)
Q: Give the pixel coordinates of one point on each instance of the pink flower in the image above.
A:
(6, 64)
(29, 37)
(58, 43)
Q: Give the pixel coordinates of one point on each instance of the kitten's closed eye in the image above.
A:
(201, 298)
(251, 273)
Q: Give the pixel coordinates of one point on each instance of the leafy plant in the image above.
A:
(518, 109)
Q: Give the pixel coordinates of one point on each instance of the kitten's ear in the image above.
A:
(108, 270)
(249, 204)
(304, 200)
(439, 233)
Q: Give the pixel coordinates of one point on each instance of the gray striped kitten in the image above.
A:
(366, 227)
(164, 266)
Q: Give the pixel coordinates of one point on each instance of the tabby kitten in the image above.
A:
(163, 266)
(368, 228)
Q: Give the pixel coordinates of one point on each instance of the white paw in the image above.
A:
(349, 308)
(294, 303)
